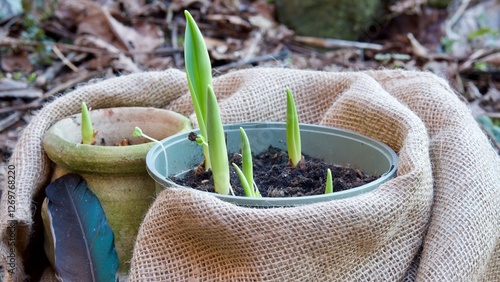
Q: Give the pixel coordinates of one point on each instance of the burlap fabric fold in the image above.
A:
(438, 220)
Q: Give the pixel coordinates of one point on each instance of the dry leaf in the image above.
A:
(407, 7)
(264, 9)
(235, 21)
(232, 5)
(261, 22)
(92, 19)
(178, 5)
(18, 61)
(153, 9)
(121, 63)
(88, 18)
(133, 7)
(149, 38)
(221, 50)
(159, 63)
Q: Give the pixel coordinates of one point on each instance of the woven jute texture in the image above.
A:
(438, 220)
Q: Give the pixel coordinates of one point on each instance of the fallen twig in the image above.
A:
(10, 120)
(474, 57)
(37, 103)
(32, 105)
(64, 59)
(336, 43)
(418, 49)
(13, 42)
(277, 56)
(454, 19)
(173, 27)
(61, 87)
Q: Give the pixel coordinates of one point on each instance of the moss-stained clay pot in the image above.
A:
(116, 174)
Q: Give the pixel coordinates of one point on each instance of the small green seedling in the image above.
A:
(246, 176)
(293, 143)
(88, 134)
(200, 140)
(138, 133)
(329, 182)
(217, 145)
(199, 76)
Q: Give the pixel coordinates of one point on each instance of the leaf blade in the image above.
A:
(293, 141)
(199, 75)
(216, 140)
(197, 60)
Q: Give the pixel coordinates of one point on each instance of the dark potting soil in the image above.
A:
(276, 178)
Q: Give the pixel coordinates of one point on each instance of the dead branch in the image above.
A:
(13, 43)
(84, 76)
(336, 43)
(10, 120)
(32, 105)
(277, 56)
(64, 59)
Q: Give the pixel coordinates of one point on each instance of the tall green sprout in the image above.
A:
(217, 145)
(246, 176)
(87, 129)
(199, 75)
(293, 142)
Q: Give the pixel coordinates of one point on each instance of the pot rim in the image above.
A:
(391, 156)
(69, 154)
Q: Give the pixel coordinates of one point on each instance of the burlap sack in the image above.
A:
(438, 220)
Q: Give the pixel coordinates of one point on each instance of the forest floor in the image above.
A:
(51, 47)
